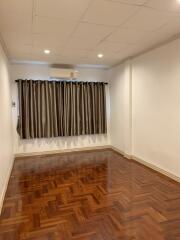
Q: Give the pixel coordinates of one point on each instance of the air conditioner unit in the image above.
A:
(63, 73)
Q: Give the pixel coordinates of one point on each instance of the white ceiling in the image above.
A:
(77, 30)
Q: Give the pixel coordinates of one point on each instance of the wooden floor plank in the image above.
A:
(97, 195)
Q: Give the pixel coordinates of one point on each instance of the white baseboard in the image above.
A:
(121, 152)
(147, 164)
(5, 186)
(156, 168)
(28, 154)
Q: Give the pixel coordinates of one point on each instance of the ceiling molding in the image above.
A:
(93, 66)
(90, 66)
(28, 62)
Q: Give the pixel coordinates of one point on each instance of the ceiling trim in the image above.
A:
(30, 62)
(90, 66)
(93, 66)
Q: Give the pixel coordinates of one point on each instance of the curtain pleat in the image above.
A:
(78, 119)
(31, 118)
(51, 108)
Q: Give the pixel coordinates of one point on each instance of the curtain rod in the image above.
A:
(64, 81)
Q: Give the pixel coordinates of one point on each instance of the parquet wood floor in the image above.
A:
(95, 195)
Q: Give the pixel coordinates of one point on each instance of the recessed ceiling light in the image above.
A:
(47, 51)
(100, 55)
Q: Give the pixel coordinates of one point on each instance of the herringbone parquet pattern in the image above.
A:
(89, 196)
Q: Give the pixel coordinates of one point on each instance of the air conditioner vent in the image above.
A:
(63, 73)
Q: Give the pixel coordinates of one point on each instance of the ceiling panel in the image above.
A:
(109, 13)
(15, 38)
(109, 58)
(18, 7)
(149, 19)
(107, 47)
(92, 31)
(20, 49)
(47, 41)
(165, 5)
(82, 43)
(172, 27)
(67, 9)
(55, 51)
(72, 52)
(139, 37)
(125, 35)
(47, 25)
(15, 23)
(35, 57)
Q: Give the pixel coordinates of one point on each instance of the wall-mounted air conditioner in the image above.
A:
(63, 73)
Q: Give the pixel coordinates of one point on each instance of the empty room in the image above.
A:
(89, 119)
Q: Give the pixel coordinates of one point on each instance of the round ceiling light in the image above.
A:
(47, 51)
(100, 55)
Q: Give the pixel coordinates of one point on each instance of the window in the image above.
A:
(60, 108)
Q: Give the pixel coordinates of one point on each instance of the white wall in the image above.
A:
(120, 107)
(27, 71)
(155, 107)
(6, 144)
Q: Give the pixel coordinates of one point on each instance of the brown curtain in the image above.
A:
(51, 108)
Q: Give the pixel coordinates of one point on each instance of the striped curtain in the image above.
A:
(51, 108)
